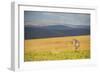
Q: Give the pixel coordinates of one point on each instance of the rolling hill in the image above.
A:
(59, 30)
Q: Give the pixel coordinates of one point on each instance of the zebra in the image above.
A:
(76, 44)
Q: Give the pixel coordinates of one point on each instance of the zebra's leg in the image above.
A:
(76, 48)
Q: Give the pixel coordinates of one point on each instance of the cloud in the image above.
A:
(52, 18)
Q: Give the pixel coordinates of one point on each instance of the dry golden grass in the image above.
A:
(57, 48)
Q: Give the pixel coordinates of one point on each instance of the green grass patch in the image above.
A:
(64, 55)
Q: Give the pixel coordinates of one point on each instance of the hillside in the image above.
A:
(32, 32)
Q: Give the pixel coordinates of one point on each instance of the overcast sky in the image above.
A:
(54, 18)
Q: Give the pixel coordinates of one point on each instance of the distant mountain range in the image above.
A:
(32, 32)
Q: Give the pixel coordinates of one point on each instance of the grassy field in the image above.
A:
(57, 48)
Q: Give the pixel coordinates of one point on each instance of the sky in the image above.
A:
(55, 18)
